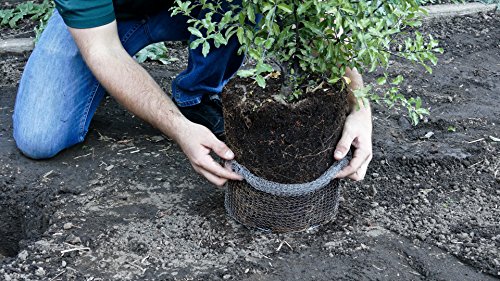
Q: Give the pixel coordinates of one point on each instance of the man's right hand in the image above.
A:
(197, 142)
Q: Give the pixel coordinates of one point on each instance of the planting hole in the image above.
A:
(11, 230)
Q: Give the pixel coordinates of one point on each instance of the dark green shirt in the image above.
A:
(93, 13)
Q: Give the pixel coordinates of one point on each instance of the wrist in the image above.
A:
(176, 127)
(357, 105)
(362, 115)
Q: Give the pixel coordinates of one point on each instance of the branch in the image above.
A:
(297, 37)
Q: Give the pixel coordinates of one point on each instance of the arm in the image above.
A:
(357, 133)
(134, 88)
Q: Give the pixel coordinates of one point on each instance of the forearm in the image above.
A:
(134, 88)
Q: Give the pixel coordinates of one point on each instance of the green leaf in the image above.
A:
(285, 8)
(269, 43)
(397, 80)
(15, 19)
(194, 44)
(250, 13)
(241, 35)
(260, 81)
(418, 102)
(195, 32)
(219, 38)
(428, 68)
(433, 59)
(206, 48)
(254, 53)
(246, 73)
(313, 27)
(414, 117)
(381, 80)
(259, 41)
(350, 11)
(304, 6)
(333, 80)
(276, 29)
(263, 67)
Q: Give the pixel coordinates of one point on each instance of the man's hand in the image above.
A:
(357, 133)
(197, 142)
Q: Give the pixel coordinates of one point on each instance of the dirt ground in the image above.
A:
(125, 204)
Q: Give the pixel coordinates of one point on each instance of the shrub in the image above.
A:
(310, 42)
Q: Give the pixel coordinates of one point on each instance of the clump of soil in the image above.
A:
(283, 142)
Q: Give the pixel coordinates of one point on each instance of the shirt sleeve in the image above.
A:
(87, 13)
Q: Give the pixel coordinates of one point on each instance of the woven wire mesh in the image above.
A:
(280, 212)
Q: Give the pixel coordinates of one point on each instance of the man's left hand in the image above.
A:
(358, 134)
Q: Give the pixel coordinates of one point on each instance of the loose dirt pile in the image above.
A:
(125, 204)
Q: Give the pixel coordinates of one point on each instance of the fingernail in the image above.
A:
(229, 154)
(338, 153)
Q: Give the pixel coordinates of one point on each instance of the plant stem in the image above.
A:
(296, 63)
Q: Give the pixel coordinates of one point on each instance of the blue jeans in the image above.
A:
(58, 95)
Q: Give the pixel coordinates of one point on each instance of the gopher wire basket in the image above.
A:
(276, 207)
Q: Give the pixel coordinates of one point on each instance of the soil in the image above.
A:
(126, 205)
(283, 142)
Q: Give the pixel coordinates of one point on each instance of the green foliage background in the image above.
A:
(34, 11)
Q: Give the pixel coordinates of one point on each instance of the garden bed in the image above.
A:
(125, 204)
(24, 28)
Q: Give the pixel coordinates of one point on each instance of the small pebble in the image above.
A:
(40, 272)
(73, 239)
(67, 226)
(23, 255)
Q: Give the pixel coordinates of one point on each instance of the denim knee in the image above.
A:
(36, 146)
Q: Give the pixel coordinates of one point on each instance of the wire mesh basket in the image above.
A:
(278, 214)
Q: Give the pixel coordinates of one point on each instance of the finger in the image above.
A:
(361, 172)
(228, 166)
(220, 148)
(358, 159)
(343, 145)
(355, 176)
(218, 181)
(216, 169)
